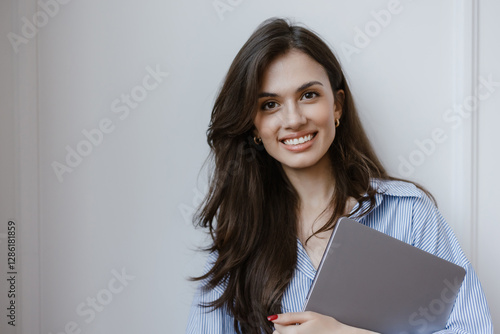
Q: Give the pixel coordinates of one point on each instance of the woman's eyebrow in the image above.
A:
(301, 88)
(309, 84)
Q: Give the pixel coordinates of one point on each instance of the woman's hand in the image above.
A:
(311, 323)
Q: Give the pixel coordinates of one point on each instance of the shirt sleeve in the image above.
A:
(206, 320)
(431, 233)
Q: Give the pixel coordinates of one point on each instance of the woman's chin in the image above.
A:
(299, 164)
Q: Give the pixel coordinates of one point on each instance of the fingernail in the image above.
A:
(272, 317)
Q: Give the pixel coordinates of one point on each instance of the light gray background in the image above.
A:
(127, 205)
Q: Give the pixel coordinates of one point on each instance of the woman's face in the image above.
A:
(296, 111)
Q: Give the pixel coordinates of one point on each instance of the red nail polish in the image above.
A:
(272, 317)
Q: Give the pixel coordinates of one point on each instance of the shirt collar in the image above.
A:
(304, 264)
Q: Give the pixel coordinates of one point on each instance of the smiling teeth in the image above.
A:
(297, 141)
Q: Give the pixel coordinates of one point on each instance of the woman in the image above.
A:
(291, 158)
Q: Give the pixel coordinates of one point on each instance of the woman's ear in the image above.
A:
(339, 102)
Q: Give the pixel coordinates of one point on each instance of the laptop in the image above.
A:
(370, 280)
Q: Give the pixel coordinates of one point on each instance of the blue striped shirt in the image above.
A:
(402, 211)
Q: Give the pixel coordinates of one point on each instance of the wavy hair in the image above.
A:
(251, 207)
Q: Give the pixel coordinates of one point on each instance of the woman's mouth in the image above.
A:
(299, 144)
(299, 140)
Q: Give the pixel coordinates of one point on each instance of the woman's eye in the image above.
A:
(309, 95)
(269, 105)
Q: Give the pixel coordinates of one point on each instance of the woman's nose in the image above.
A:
(293, 116)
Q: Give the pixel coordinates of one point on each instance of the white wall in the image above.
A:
(487, 159)
(126, 205)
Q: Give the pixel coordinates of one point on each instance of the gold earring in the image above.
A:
(257, 140)
(337, 122)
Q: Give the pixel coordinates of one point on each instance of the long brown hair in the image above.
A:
(251, 207)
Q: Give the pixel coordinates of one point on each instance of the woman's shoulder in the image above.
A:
(397, 188)
(402, 195)
(404, 211)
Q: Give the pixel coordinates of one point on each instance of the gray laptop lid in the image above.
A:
(370, 280)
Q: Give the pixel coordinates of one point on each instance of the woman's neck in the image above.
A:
(315, 185)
